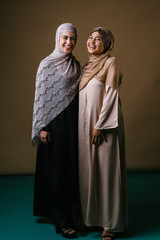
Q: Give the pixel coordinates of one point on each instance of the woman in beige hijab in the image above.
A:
(102, 164)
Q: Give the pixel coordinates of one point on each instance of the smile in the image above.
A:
(92, 47)
(68, 47)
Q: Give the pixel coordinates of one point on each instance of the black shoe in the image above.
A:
(66, 232)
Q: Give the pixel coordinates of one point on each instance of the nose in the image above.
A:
(68, 41)
(93, 40)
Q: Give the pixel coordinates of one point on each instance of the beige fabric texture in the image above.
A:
(102, 169)
(94, 66)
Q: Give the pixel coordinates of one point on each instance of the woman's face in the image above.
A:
(67, 42)
(95, 44)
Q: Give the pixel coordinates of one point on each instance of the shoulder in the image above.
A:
(112, 61)
(113, 66)
(114, 73)
(44, 64)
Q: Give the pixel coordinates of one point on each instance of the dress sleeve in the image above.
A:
(108, 117)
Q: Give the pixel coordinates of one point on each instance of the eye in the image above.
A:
(65, 37)
(99, 39)
(90, 37)
(73, 39)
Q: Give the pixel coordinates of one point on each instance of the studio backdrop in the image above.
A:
(27, 36)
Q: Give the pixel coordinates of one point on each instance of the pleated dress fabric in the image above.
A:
(102, 169)
(56, 192)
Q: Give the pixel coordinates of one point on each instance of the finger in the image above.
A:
(99, 140)
(94, 139)
(44, 139)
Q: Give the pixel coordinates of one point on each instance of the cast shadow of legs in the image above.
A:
(43, 220)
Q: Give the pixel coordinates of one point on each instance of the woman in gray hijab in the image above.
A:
(54, 130)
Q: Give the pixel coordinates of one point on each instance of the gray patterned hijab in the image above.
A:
(57, 80)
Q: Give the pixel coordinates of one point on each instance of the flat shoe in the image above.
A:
(66, 232)
(108, 235)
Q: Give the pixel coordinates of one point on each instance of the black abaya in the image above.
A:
(56, 194)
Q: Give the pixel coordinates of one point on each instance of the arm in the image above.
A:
(108, 117)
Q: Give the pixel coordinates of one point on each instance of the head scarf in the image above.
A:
(57, 80)
(96, 63)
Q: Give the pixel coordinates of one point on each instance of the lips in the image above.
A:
(92, 47)
(68, 47)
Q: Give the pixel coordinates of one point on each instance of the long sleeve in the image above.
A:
(108, 117)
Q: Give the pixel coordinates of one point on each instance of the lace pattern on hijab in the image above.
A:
(57, 80)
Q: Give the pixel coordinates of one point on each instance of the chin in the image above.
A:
(67, 51)
(90, 52)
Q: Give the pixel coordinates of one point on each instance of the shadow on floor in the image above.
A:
(144, 207)
(144, 202)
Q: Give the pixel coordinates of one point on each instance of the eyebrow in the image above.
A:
(67, 35)
(96, 36)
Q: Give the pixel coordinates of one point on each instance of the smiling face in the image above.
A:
(67, 42)
(95, 44)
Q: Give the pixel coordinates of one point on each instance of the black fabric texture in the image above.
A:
(56, 193)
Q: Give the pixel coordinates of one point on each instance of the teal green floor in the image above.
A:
(18, 223)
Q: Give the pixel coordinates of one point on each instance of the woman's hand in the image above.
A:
(96, 137)
(45, 137)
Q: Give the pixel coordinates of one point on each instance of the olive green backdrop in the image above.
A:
(27, 36)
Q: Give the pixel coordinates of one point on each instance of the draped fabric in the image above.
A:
(57, 79)
(94, 65)
(102, 169)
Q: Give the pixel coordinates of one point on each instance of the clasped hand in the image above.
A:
(45, 136)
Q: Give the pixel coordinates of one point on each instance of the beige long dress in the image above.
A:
(102, 169)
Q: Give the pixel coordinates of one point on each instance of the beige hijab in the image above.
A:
(98, 65)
